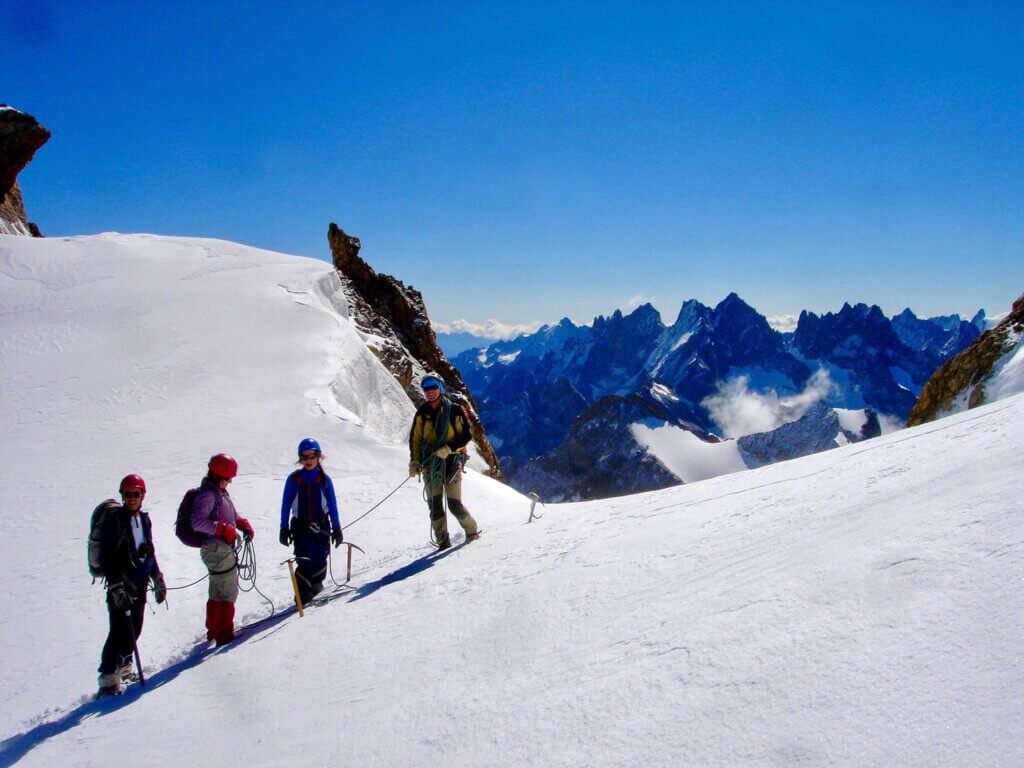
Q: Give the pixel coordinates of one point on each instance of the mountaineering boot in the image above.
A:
(126, 672)
(473, 536)
(110, 685)
(443, 544)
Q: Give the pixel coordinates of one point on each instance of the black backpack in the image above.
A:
(96, 532)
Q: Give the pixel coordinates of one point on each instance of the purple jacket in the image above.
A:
(212, 505)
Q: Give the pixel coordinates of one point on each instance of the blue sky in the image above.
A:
(525, 161)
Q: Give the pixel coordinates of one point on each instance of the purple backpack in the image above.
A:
(183, 529)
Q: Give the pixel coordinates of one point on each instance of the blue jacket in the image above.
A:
(309, 496)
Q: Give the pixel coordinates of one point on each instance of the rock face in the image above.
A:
(987, 370)
(600, 457)
(861, 340)
(20, 136)
(395, 314)
(819, 429)
(942, 336)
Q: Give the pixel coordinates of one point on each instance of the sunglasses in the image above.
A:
(428, 389)
(308, 456)
(132, 494)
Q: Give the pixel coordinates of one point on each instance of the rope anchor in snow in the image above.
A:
(533, 504)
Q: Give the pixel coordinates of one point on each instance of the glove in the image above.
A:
(414, 468)
(119, 596)
(245, 528)
(443, 452)
(285, 538)
(145, 550)
(337, 537)
(159, 588)
(226, 532)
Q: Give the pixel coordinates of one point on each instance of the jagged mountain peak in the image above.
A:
(733, 310)
(816, 336)
(644, 313)
(692, 315)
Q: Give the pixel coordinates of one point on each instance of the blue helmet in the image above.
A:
(430, 380)
(309, 444)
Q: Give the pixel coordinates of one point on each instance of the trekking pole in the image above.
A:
(295, 584)
(135, 647)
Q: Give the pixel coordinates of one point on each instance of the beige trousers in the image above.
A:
(219, 559)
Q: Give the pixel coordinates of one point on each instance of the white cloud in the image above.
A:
(492, 329)
(783, 323)
(738, 411)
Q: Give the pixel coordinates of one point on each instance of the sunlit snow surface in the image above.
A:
(857, 607)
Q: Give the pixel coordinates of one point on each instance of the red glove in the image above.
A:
(227, 532)
(245, 527)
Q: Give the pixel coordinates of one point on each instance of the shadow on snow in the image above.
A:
(416, 566)
(14, 748)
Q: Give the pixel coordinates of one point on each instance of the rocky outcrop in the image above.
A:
(20, 136)
(819, 429)
(395, 315)
(600, 457)
(964, 381)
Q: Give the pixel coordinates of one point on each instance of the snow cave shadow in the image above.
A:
(418, 565)
(14, 748)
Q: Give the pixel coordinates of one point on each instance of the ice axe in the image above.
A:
(295, 584)
(348, 573)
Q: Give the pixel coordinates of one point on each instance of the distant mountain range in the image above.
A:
(714, 372)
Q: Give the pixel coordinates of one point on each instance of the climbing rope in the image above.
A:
(344, 527)
(245, 562)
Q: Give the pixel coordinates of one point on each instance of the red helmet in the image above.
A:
(223, 465)
(132, 481)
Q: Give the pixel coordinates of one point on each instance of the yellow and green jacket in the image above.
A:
(424, 438)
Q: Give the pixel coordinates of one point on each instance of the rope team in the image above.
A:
(122, 553)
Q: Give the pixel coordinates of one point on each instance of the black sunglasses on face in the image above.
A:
(308, 456)
(132, 494)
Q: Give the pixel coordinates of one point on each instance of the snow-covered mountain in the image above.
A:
(628, 445)
(945, 336)
(857, 607)
(531, 390)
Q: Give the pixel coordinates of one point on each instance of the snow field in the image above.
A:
(857, 607)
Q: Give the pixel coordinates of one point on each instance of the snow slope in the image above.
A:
(857, 607)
